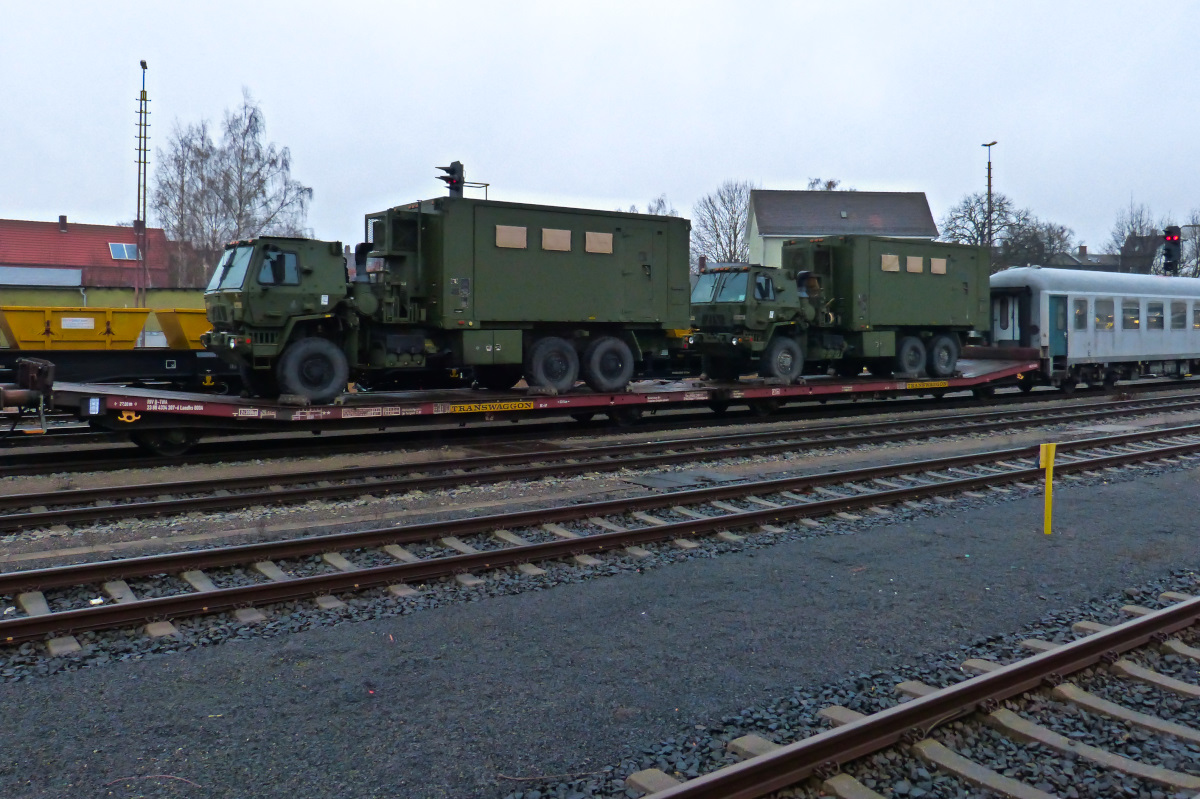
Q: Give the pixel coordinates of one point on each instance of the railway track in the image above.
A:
(1031, 706)
(93, 505)
(108, 451)
(58, 602)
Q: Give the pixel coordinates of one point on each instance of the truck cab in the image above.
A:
(266, 291)
(749, 318)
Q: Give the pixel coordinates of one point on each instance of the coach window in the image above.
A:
(1005, 309)
(1178, 315)
(1131, 318)
(1104, 314)
(1154, 316)
(1081, 314)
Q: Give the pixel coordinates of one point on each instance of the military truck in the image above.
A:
(843, 303)
(494, 291)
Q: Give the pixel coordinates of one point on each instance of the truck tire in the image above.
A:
(552, 363)
(942, 359)
(910, 355)
(607, 364)
(782, 359)
(497, 378)
(314, 368)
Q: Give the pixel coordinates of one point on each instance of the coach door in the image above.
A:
(1058, 326)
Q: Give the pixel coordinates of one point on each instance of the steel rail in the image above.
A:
(762, 775)
(34, 627)
(407, 477)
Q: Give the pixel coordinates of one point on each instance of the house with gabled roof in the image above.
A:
(70, 255)
(777, 216)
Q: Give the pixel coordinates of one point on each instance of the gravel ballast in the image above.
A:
(582, 677)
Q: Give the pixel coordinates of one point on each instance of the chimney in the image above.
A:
(1083, 252)
(62, 224)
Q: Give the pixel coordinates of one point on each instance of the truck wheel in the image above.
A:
(783, 359)
(607, 364)
(497, 378)
(552, 363)
(943, 356)
(722, 369)
(314, 368)
(910, 355)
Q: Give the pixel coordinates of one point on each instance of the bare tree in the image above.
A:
(1136, 238)
(967, 222)
(820, 184)
(659, 206)
(1033, 241)
(719, 221)
(208, 194)
(1190, 257)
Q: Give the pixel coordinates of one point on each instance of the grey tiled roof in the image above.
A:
(819, 213)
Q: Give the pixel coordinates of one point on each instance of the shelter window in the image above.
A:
(891, 263)
(764, 288)
(914, 263)
(123, 252)
(597, 242)
(734, 288)
(1154, 316)
(1131, 316)
(556, 240)
(1178, 315)
(937, 266)
(279, 269)
(1104, 314)
(1081, 314)
(510, 237)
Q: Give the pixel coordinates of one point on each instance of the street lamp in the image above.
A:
(989, 146)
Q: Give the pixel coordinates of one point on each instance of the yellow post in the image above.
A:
(1047, 463)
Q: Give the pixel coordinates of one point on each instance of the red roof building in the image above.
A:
(70, 254)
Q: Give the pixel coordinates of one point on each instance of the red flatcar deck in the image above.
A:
(122, 408)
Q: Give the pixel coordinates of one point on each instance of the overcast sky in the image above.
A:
(607, 104)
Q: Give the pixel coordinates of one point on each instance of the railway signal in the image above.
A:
(1171, 249)
(453, 178)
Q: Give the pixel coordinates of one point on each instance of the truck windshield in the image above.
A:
(231, 270)
(703, 290)
(734, 288)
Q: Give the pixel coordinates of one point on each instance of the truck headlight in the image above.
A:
(232, 342)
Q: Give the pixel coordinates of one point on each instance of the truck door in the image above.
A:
(1058, 326)
(638, 273)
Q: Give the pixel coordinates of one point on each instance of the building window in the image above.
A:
(510, 237)
(123, 252)
(1131, 317)
(1104, 314)
(1081, 314)
(1154, 316)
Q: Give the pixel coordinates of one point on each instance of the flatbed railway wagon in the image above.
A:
(170, 423)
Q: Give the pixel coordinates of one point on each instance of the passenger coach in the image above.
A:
(1098, 327)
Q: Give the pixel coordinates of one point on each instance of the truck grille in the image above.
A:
(710, 321)
(265, 336)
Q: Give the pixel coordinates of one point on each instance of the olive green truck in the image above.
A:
(493, 290)
(843, 303)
